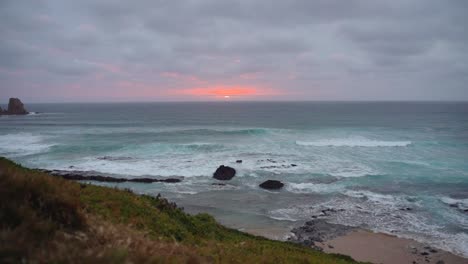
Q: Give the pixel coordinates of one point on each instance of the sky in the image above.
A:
(197, 50)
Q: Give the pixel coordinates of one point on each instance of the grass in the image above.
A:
(46, 219)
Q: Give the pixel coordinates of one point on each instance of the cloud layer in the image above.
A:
(107, 50)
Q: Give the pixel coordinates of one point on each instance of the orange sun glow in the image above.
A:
(221, 91)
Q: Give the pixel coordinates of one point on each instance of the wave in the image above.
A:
(398, 215)
(353, 142)
(313, 188)
(158, 149)
(22, 144)
(119, 130)
(461, 204)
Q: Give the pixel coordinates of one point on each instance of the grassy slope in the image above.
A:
(48, 219)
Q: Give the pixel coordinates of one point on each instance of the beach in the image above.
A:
(364, 245)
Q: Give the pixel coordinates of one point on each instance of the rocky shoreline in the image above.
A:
(317, 231)
(365, 245)
(94, 176)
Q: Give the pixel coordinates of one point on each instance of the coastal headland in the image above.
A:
(53, 207)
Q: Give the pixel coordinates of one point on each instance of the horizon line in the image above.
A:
(245, 101)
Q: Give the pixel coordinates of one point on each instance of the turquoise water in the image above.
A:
(399, 168)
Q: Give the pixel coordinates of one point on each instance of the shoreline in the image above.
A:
(366, 245)
(360, 244)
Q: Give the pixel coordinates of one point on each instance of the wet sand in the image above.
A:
(363, 245)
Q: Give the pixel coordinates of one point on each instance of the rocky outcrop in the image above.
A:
(317, 231)
(224, 173)
(272, 185)
(15, 107)
(90, 176)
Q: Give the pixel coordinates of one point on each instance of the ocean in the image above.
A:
(394, 167)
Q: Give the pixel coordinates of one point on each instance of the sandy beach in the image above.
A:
(363, 245)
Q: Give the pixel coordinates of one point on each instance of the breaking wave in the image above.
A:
(353, 142)
(22, 144)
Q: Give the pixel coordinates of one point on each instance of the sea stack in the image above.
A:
(15, 107)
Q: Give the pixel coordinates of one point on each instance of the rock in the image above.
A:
(149, 180)
(238, 161)
(293, 165)
(92, 176)
(272, 185)
(224, 173)
(317, 231)
(111, 158)
(16, 107)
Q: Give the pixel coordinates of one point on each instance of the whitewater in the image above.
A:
(397, 168)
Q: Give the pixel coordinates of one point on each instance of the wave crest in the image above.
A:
(22, 144)
(353, 142)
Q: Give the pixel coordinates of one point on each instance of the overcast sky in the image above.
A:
(149, 50)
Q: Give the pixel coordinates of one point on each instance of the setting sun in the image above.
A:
(222, 91)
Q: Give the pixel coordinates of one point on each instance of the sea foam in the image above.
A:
(461, 204)
(22, 144)
(353, 142)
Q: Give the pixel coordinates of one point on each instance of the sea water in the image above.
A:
(399, 168)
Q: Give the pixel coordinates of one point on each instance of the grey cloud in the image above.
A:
(344, 47)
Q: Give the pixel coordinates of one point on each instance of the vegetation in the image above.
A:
(46, 219)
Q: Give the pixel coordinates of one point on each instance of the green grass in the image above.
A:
(47, 219)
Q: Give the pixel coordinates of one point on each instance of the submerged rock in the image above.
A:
(238, 161)
(224, 173)
(111, 158)
(271, 185)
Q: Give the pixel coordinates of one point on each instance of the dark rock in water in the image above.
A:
(224, 173)
(110, 158)
(16, 107)
(293, 165)
(87, 176)
(218, 184)
(272, 185)
(269, 167)
(238, 161)
(150, 180)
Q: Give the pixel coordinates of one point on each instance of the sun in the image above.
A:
(227, 97)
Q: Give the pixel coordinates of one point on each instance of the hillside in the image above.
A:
(47, 219)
